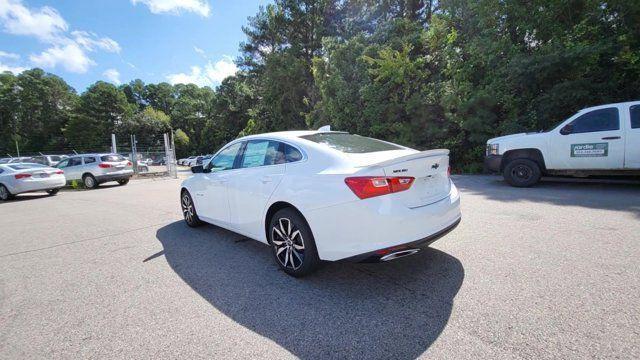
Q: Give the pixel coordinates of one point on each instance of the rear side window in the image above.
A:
(89, 160)
(75, 162)
(597, 120)
(635, 116)
(292, 154)
(112, 158)
(349, 143)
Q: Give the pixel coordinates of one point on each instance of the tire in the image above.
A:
(89, 181)
(189, 210)
(292, 243)
(522, 173)
(123, 182)
(52, 192)
(5, 194)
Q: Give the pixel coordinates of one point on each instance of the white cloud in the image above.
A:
(68, 50)
(198, 50)
(45, 23)
(91, 42)
(13, 69)
(112, 75)
(221, 69)
(200, 7)
(11, 56)
(70, 56)
(212, 74)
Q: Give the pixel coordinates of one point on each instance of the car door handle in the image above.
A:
(611, 138)
(266, 179)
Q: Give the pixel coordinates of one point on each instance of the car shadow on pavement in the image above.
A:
(26, 197)
(391, 310)
(596, 194)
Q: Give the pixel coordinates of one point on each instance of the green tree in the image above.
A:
(101, 110)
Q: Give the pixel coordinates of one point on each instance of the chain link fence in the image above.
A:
(153, 156)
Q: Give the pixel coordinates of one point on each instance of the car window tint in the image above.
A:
(112, 158)
(597, 120)
(75, 162)
(225, 158)
(349, 143)
(89, 160)
(635, 116)
(63, 163)
(292, 154)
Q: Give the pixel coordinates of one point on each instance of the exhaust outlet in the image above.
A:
(399, 254)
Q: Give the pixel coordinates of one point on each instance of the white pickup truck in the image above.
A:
(601, 140)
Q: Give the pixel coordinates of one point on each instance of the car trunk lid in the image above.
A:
(429, 168)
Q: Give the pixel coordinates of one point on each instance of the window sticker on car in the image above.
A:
(590, 150)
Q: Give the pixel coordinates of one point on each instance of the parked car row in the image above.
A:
(90, 169)
(194, 160)
(48, 160)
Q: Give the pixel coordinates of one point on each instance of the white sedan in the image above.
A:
(323, 195)
(20, 178)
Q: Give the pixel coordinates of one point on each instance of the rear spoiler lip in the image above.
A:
(420, 155)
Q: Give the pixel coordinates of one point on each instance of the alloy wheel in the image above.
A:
(187, 208)
(289, 244)
(4, 194)
(88, 182)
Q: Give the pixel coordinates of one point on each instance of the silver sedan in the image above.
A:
(17, 178)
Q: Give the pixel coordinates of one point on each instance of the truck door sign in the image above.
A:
(590, 150)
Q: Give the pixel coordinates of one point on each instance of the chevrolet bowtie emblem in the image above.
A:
(435, 166)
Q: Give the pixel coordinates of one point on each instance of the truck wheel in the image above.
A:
(522, 173)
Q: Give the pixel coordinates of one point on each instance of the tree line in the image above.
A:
(426, 74)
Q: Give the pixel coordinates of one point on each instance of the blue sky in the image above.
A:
(119, 40)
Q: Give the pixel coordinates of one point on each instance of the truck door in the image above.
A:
(632, 141)
(590, 140)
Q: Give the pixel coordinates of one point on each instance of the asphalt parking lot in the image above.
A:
(547, 272)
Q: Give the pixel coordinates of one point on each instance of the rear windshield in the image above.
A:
(112, 158)
(25, 166)
(349, 143)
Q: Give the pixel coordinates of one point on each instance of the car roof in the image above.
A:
(288, 135)
(92, 154)
(603, 106)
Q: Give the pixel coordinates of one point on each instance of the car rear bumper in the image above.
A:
(38, 184)
(115, 176)
(492, 163)
(356, 229)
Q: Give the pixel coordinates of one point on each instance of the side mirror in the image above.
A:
(198, 169)
(567, 129)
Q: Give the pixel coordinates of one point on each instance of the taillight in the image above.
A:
(59, 172)
(449, 171)
(370, 186)
(22, 176)
(105, 166)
